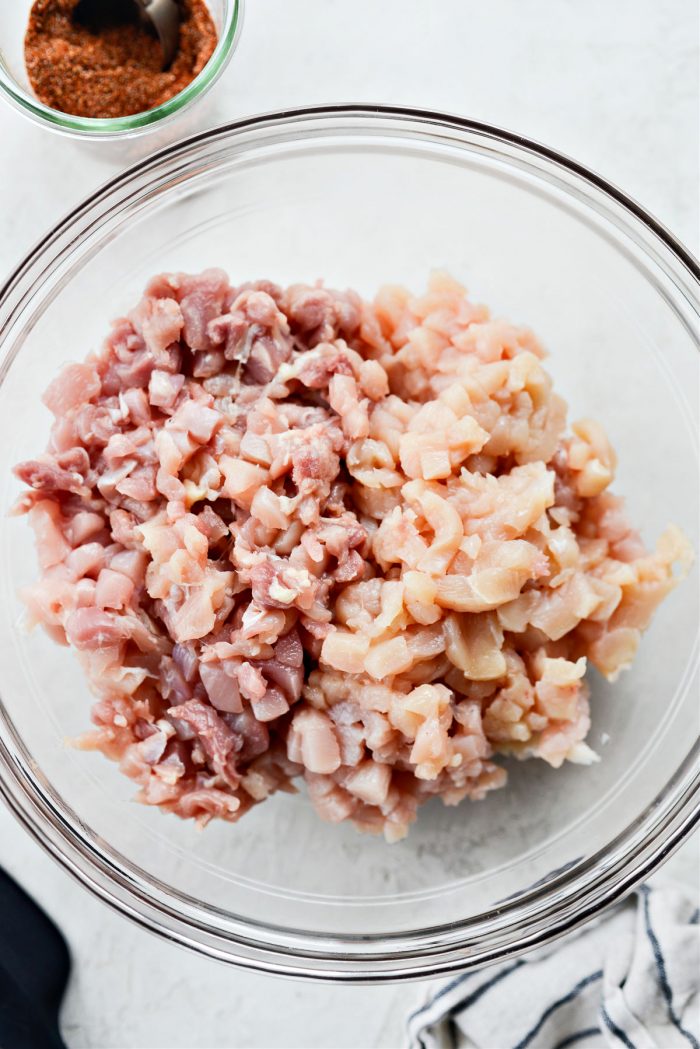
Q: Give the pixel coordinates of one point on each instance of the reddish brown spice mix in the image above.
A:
(113, 71)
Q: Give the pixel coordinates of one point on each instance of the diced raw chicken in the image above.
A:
(293, 534)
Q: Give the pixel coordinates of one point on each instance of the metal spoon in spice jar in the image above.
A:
(162, 15)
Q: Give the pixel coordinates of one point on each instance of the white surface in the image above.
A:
(612, 84)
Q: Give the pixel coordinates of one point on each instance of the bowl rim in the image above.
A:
(572, 898)
(136, 124)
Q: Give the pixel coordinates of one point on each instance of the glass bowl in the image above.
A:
(362, 196)
(15, 86)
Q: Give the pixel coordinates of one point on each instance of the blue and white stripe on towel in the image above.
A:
(630, 980)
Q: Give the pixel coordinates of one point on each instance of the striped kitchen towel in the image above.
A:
(632, 979)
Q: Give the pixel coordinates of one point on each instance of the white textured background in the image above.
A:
(613, 83)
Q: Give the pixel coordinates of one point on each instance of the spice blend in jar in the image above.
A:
(113, 69)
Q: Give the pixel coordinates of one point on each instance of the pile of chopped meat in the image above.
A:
(291, 534)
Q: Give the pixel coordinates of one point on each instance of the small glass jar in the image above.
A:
(164, 123)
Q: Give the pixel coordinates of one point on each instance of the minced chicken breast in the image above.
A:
(291, 534)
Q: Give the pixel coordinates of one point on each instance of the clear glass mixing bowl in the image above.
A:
(360, 197)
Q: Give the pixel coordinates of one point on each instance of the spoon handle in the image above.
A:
(165, 18)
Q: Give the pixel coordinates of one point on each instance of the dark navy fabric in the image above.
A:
(34, 969)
